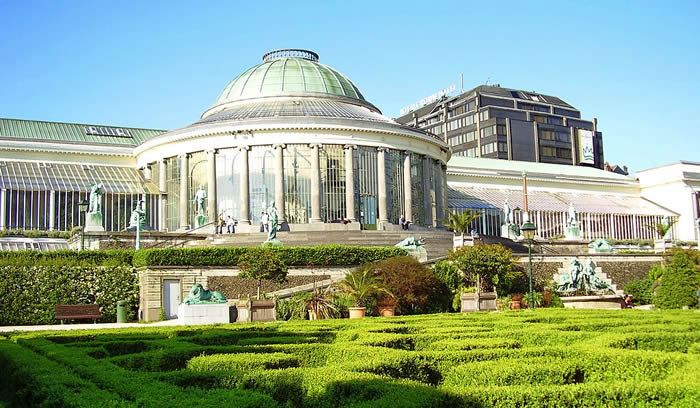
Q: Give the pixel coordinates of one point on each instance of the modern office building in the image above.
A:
(501, 123)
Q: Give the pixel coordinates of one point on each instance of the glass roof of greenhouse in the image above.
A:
(72, 177)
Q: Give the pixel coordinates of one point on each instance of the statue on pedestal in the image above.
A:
(272, 226)
(571, 219)
(138, 215)
(93, 217)
(507, 213)
(96, 192)
(200, 199)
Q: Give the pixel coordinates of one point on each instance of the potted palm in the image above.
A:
(460, 223)
(360, 285)
(662, 229)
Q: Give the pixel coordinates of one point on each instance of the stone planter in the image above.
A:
(357, 312)
(460, 241)
(612, 302)
(256, 311)
(487, 302)
(662, 245)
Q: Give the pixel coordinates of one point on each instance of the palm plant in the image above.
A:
(362, 284)
(662, 228)
(460, 222)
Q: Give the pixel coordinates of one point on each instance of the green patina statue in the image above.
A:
(200, 296)
(600, 245)
(411, 243)
(582, 278)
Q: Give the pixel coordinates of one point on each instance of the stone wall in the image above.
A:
(223, 279)
(621, 269)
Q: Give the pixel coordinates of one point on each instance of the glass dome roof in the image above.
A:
(290, 72)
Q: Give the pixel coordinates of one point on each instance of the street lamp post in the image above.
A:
(528, 230)
(82, 207)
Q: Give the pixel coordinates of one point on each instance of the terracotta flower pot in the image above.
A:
(357, 312)
(387, 311)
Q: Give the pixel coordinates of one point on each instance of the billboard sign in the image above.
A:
(428, 99)
(585, 146)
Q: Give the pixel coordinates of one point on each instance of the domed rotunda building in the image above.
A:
(300, 135)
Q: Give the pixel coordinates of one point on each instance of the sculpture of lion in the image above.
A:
(198, 295)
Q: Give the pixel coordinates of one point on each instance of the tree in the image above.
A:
(415, 287)
(460, 222)
(362, 284)
(262, 264)
(484, 265)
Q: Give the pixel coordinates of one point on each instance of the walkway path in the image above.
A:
(86, 326)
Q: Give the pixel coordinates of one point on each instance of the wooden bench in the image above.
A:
(68, 312)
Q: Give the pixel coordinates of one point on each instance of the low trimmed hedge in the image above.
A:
(323, 255)
(110, 257)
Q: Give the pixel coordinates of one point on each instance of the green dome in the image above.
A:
(289, 72)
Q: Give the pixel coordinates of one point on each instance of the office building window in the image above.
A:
(546, 134)
(468, 120)
(541, 108)
(501, 130)
(548, 151)
(539, 118)
(553, 120)
(470, 152)
(484, 115)
(526, 106)
(459, 110)
(488, 148)
(488, 131)
(470, 136)
(454, 124)
(564, 153)
(563, 137)
(470, 106)
(514, 94)
(503, 147)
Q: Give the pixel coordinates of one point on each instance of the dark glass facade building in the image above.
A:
(502, 123)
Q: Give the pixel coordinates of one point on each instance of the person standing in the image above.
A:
(263, 222)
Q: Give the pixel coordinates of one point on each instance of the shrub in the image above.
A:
(486, 266)
(680, 281)
(28, 294)
(362, 285)
(322, 255)
(415, 286)
(640, 290)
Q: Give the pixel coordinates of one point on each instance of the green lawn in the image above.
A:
(548, 358)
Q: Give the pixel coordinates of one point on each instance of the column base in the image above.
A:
(315, 220)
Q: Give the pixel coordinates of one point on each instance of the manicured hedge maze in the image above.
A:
(548, 358)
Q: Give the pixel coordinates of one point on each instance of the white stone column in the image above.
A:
(350, 183)
(3, 208)
(147, 173)
(315, 183)
(407, 193)
(211, 186)
(52, 210)
(381, 186)
(184, 189)
(427, 196)
(163, 187)
(445, 209)
(245, 190)
(279, 183)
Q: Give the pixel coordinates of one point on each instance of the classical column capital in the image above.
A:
(211, 151)
(315, 145)
(382, 149)
(349, 146)
(281, 146)
(183, 155)
(244, 147)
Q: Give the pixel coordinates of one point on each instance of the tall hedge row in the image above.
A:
(28, 294)
(323, 255)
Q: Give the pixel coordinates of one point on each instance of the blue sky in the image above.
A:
(633, 65)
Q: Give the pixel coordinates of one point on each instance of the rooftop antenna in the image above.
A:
(487, 81)
(461, 82)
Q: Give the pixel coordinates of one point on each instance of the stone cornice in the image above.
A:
(68, 148)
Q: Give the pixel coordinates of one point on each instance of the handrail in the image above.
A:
(177, 237)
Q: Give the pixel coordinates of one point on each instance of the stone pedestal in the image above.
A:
(508, 232)
(460, 241)
(419, 253)
(93, 222)
(662, 245)
(612, 302)
(203, 314)
(272, 243)
(572, 233)
(200, 220)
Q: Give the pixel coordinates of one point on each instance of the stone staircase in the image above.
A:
(437, 242)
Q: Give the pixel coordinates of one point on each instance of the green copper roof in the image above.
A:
(286, 72)
(73, 132)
